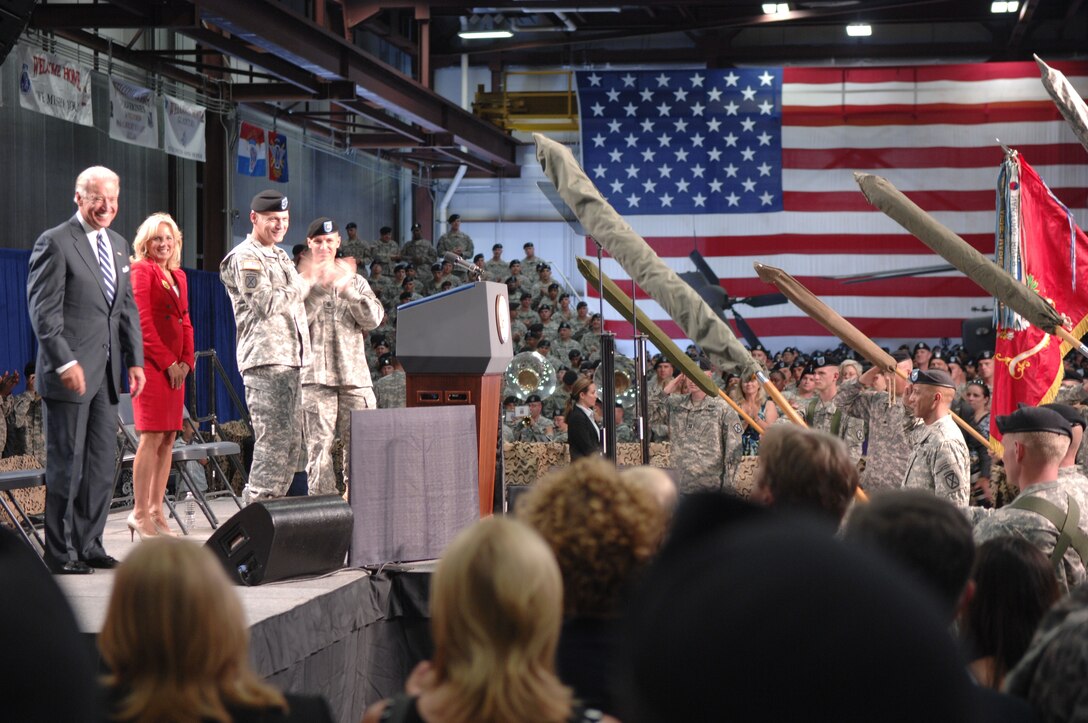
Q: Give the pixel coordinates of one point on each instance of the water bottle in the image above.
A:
(190, 510)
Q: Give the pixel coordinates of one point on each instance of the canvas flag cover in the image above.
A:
(251, 151)
(1039, 244)
(51, 85)
(183, 128)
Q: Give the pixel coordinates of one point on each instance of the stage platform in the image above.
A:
(352, 635)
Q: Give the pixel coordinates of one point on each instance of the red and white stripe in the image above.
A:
(933, 132)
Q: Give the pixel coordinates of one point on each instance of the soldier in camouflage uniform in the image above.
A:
(25, 431)
(940, 461)
(557, 402)
(524, 312)
(457, 241)
(524, 284)
(354, 247)
(341, 310)
(529, 263)
(391, 388)
(380, 284)
(591, 339)
(8, 381)
(705, 434)
(823, 412)
(496, 267)
(536, 427)
(560, 429)
(890, 426)
(624, 432)
(1069, 472)
(1035, 441)
(655, 388)
(385, 249)
(418, 250)
(562, 346)
(549, 322)
(273, 343)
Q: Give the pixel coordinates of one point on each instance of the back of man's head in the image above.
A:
(807, 469)
(926, 535)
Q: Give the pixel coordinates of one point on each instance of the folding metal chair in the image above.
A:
(17, 480)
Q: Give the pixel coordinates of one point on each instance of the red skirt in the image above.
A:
(158, 408)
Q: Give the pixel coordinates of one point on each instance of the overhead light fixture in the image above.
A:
(859, 30)
(1004, 7)
(776, 8)
(485, 27)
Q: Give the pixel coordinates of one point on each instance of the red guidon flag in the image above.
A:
(1039, 243)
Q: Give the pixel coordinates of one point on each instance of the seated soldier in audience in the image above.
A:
(603, 531)
(390, 389)
(534, 428)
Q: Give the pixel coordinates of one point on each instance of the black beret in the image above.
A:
(933, 377)
(496, 246)
(1034, 419)
(453, 217)
(542, 307)
(759, 347)
(436, 266)
(321, 226)
(526, 295)
(527, 244)
(574, 353)
(268, 201)
(409, 266)
(564, 325)
(824, 361)
(477, 256)
(921, 345)
(515, 261)
(543, 267)
(1069, 412)
(580, 304)
(533, 398)
(385, 230)
(587, 366)
(900, 355)
(553, 286)
(400, 266)
(984, 354)
(570, 377)
(417, 227)
(385, 361)
(377, 262)
(809, 369)
(351, 224)
(297, 249)
(375, 338)
(510, 400)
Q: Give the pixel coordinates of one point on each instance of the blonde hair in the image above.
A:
(176, 640)
(496, 610)
(1045, 446)
(148, 229)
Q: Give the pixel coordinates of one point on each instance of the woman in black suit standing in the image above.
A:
(583, 434)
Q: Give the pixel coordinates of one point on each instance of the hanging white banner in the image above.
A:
(51, 85)
(183, 128)
(133, 117)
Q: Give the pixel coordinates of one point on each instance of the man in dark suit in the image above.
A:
(82, 311)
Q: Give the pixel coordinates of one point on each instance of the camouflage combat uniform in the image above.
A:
(1035, 528)
(831, 418)
(706, 439)
(337, 379)
(26, 434)
(659, 432)
(542, 430)
(273, 342)
(497, 270)
(391, 390)
(940, 462)
(454, 240)
(384, 251)
(420, 252)
(625, 433)
(358, 250)
(889, 434)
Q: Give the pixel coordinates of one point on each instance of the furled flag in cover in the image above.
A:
(277, 157)
(251, 153)
(1038, 242)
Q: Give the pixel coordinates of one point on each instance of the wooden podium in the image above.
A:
(454, 347)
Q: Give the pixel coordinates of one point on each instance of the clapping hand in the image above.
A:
(8, 381)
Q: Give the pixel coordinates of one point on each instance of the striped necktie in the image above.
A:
(105, 262)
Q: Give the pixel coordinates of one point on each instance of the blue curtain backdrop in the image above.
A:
(209, 308)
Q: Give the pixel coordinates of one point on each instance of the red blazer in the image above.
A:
(164, 315)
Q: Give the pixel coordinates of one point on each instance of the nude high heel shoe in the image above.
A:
(135, 529)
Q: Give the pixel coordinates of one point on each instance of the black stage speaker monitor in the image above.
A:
(978, 335)
(284, 538)
(14, 17)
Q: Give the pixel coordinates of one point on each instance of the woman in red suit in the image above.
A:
(162, 296)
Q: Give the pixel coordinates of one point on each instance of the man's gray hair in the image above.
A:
(94, 173)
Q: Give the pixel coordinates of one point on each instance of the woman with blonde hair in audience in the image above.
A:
(176, 643)
(496, 608)
(753, 399)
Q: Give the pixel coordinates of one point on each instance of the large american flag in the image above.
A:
(756, 164)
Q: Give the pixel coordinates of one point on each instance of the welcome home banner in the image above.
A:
(53, 86)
